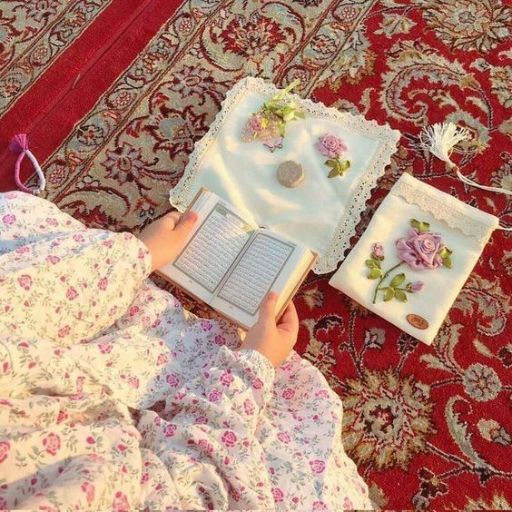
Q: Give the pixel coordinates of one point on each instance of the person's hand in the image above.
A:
(274, 341)
(165, 238)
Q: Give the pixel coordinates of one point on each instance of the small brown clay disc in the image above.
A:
(290, 174)
(417, 321)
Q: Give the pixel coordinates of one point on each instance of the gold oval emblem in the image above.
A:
(417, 321)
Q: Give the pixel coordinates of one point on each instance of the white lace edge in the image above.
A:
(181, 195)
(444, 207)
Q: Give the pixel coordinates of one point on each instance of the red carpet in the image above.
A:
(113, 94)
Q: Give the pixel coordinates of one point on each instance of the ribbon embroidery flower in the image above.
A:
(420, 249)
(269, 123)
(333, 147)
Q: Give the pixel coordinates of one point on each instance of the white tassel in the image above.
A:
(440, 139)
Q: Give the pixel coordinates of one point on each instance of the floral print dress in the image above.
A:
(112, 396)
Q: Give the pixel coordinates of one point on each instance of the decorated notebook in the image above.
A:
(415, 256)
(231, 263)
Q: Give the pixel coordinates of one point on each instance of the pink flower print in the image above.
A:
(88, 488)
(226, 379)
(257, 383)
(142, 254)
(330, 146)
(288, 394)
(22, 249)
(201, 420)
(102, 283)
(77, 237)
(278, 494)
(420, 250)
(133, 310)
(169, 430)
(173, 380)
(219, 340)
(206, 325)
(71, 293)
(105, 347)
(320, 506)
(317, 466)
(62, 416)
(229, 438)
(205, 446)
(108, 243)
(162, 359)
(52, 443)
(284, 437)
(248, 407)
(134, 382)
(120, 503)
(4, 450)
(25, 281)
(51, 221)
(90, 440)
(322, 394)
(64, 331)
(347, 504)
(9, 219)
(52, 259)
(214, 395)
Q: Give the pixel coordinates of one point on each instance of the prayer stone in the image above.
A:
(290, 174)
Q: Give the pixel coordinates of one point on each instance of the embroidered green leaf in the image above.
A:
(397, 280)
(343, 165)
(371, 263)
(389, 293)
(420, 226)
(333, 174)
(400, 295)
(444, 252)
(447, 262)
(374, 273)
(331, 163)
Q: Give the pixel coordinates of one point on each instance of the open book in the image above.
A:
(230, 263)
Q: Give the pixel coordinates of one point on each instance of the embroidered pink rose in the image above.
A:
(278, 494)
(330, 146)
(420, 250)
(88, 489)
(378, 250)
(4, 450)
(170, 430)
(9, 219)
(317, 466)
(229, 438)
(25, 281)
(255, 125)
(52, 443)
(417, 286)
(71, 293)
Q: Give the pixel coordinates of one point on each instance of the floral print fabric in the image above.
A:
(114, 397)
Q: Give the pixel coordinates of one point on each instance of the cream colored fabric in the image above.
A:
(321, 213)
(465, 231)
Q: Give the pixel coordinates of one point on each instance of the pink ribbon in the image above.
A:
(19, 146)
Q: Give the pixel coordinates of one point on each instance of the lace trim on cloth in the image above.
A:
(182, 193)
(458, 215)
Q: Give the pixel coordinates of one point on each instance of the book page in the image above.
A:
(211, 249)
(255, 273)
(268, 263)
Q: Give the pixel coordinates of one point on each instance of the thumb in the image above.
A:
(185, 225)
(268, 308)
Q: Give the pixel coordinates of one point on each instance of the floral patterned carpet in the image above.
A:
(114, 93)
